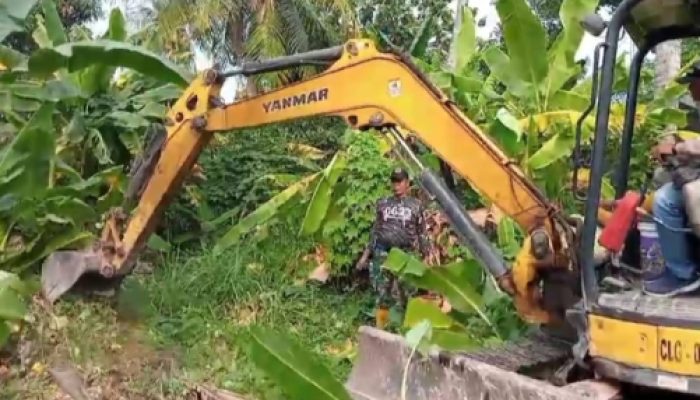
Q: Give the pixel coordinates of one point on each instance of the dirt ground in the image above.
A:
(86, 349)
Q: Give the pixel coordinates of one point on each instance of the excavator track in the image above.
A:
(387, 368)
(528, 353)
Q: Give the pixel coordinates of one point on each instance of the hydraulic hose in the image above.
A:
(468, 231)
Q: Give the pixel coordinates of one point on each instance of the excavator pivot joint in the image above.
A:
(211, 76)
(199, 123)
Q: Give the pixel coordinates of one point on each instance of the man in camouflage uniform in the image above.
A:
(399, 223)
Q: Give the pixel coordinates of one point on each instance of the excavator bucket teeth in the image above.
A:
(383, 358)
(62, 269)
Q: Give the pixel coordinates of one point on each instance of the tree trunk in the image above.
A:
(666, 67)
(236, 36)
(452, 58)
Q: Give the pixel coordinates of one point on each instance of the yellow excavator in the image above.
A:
(593, 341)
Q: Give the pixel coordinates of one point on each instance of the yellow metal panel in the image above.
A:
(679, 350)
(179, 153)
(626, 342)
(673, 350)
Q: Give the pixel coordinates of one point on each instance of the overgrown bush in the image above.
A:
(204, 305)
(69, 132)
(66, 134)
(352, 211)
(245, 168)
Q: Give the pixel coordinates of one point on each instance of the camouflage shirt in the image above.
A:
(399, 222)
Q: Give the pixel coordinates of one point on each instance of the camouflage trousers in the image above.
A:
(389, 290)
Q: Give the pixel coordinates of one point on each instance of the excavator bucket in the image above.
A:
(383, 359)
(62, 269)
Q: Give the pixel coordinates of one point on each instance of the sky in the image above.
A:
(485, 9)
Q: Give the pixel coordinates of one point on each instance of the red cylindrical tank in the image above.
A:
(618, 226)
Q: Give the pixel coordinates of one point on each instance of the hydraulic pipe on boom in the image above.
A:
(467, 230)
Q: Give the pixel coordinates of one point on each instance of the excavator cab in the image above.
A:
(632, 337)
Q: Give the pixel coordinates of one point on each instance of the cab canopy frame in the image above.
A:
(648, 23)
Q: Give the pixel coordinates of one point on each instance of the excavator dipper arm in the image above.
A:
(368, 89)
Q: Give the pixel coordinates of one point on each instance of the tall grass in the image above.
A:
(204, 303)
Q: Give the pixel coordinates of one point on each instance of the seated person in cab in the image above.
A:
(680, 274)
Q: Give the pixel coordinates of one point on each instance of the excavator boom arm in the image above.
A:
(371, 89)
(379, 90)
(368, 89)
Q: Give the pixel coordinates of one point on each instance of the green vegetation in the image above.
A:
(13, 307)
(205, 304)
(249, 283)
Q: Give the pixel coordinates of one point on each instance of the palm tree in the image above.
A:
(451, 59)
(232, 31)
(173, 41)
(666, 67)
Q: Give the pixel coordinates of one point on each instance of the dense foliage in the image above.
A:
(244, 169)
(397, 22)
(72, 13)
(352, 213)
(70, 135)
(66, 139)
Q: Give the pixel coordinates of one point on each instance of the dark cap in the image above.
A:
(692, 74)
(398, 175)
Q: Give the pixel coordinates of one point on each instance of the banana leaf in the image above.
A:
(295, 370)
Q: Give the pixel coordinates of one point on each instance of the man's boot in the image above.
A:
(381, 317)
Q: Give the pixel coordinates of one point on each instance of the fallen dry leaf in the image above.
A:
(38, 368)
(4, 372)
(480, 216)
(246, 313)
(495, 214)
(320, 257)
(58, 323)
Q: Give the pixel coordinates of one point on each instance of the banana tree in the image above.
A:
(527, 82)
(471, 313)
(63, 124)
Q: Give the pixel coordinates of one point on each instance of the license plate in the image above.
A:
(677, 383)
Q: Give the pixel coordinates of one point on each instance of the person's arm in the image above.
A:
(422, 227)
(362, 263)
(375, 225)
